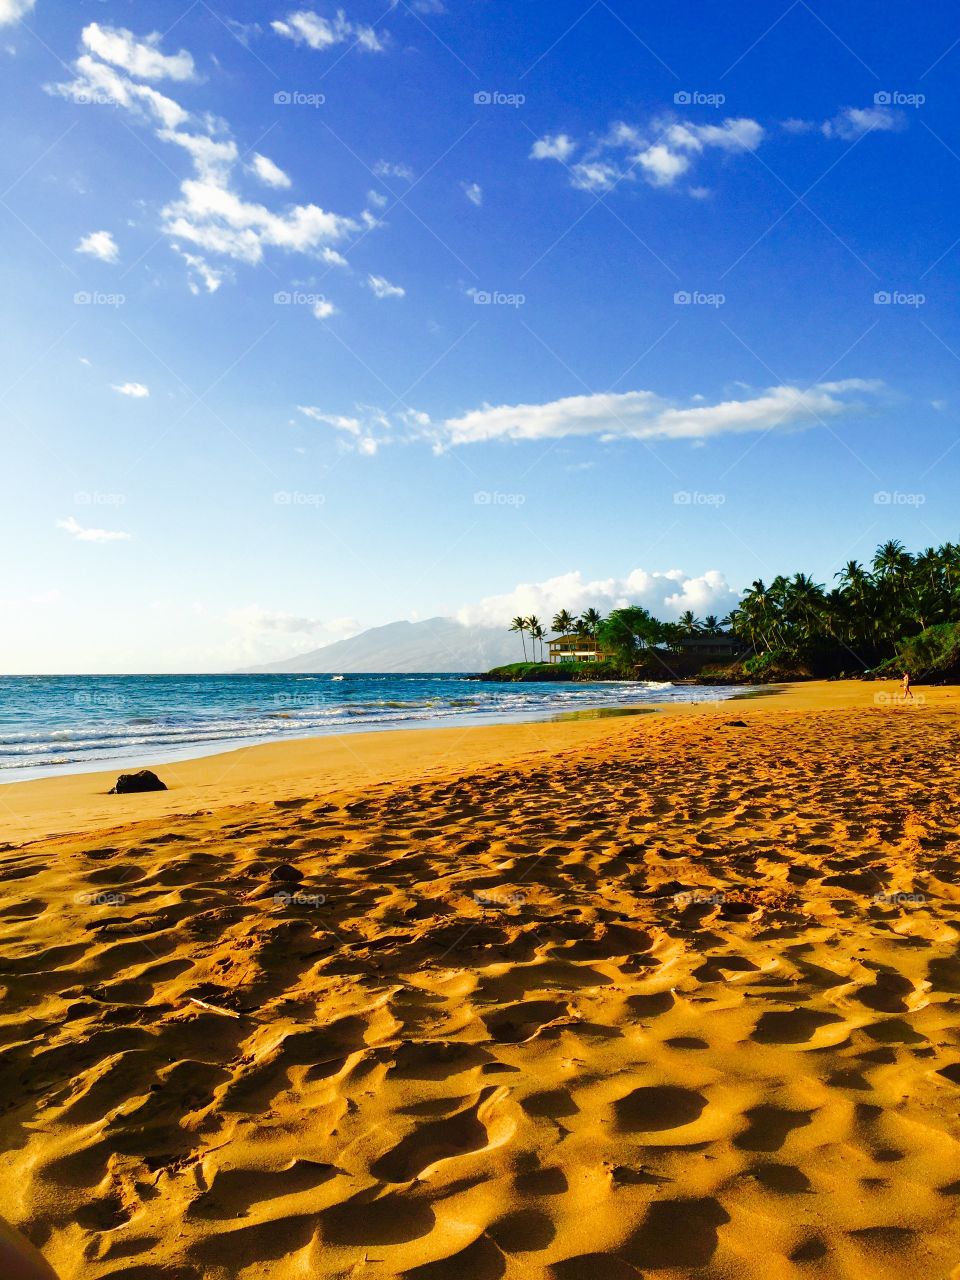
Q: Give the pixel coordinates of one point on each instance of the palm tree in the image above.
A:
(711, 624)
(563, 622)
(691, 625)
(520, 624)
(535, 627)
(538, 633)
(589, 621)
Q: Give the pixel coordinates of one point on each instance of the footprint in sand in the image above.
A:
(677, 1234)
(447, 1139)
(232, 1192)
(657, 1107)
(795, 1026)
(518, 1023)
(769, 1128)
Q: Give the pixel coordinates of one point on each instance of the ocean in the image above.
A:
(69, 724)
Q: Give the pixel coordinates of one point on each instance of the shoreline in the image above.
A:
(148, 757)
(73, 804)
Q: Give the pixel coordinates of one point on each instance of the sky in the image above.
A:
(316, 318)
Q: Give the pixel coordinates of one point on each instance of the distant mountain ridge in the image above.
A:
(436, 644)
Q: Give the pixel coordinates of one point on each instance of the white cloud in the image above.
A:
(595, 175)
(608, 416)
(209, 214)
(388, 169)
(660, 153)
(76, 530)
(377, 199)
(852, 122)
(661, 165)
(643, 415)
(202, 275)
(363, 441)
(666, 595)
(324, 309)
(269, 173)
(135, 390)
(382, 287)
(13, 10)
(140, 58)
(474, 192)
(253, 618)
(740, 134)
(95, 82)
(100, 244)
(553, 146)
(307, 27)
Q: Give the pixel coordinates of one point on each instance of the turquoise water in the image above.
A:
(70, 723)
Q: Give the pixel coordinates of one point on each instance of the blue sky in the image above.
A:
(316, 318)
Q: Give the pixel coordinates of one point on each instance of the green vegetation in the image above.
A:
(900, 613)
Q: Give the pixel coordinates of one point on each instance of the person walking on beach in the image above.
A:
(907, 691)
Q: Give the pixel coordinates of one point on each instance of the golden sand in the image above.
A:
(669, 996)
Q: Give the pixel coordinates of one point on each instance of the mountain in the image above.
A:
(437, 644)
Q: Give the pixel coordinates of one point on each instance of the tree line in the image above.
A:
(861, 620)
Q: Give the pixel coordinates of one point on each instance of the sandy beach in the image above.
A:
(673, 994)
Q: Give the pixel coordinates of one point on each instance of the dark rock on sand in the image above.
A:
(128, 783)
(286, 874)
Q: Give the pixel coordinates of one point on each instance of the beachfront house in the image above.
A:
(575, 648)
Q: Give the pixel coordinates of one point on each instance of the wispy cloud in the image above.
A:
(210, 217)
(269, 173)
(140, 58)
(474, 192)
(382, 287)
(77, 530)
(553, 146)
(100, 244)
(135, 390)
(631, 415)
(307, 27)
(660, 152)
(390, 169)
